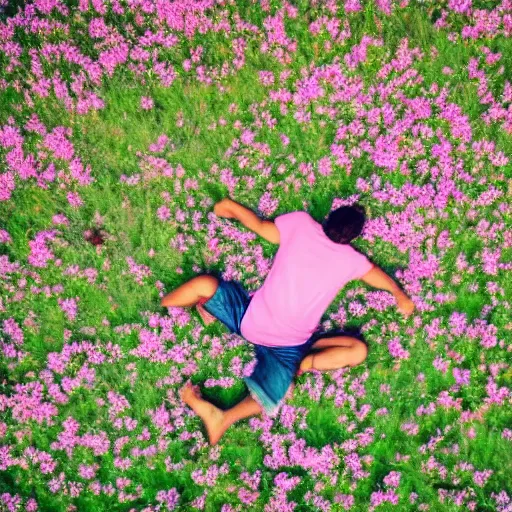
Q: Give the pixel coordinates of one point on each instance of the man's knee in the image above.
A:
(359, 352)
(206, 286)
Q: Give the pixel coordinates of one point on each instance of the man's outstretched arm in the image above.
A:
(232, 210)
(377, 278)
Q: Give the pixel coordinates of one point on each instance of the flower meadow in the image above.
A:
(123, 121)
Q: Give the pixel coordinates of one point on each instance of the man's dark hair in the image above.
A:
(345, 223)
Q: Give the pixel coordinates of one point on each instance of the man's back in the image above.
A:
(308, 271)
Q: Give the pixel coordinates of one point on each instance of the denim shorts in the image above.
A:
(275, 366)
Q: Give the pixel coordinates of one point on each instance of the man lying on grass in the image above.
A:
(313, 262)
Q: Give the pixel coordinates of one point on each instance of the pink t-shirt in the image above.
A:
(308, 271)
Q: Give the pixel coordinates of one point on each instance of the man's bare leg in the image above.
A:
(216, 420)
(337, 352)
(194, 292)
(191, 292)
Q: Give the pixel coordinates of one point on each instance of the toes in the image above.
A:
(188, 391)
(185, 390)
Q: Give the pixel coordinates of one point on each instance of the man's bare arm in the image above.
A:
(377, 278)
(232, 210)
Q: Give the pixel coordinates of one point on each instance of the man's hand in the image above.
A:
(377, 278)
(405, 305)
(224, 208)
(232, 210)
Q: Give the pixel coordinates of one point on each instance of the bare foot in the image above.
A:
(208, 318)
(305, 365)
(212, 416)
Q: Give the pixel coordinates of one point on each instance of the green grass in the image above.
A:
(112, 141)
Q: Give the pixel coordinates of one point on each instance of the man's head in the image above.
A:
(345, 223)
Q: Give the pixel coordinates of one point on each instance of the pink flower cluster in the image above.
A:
(91, 408)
